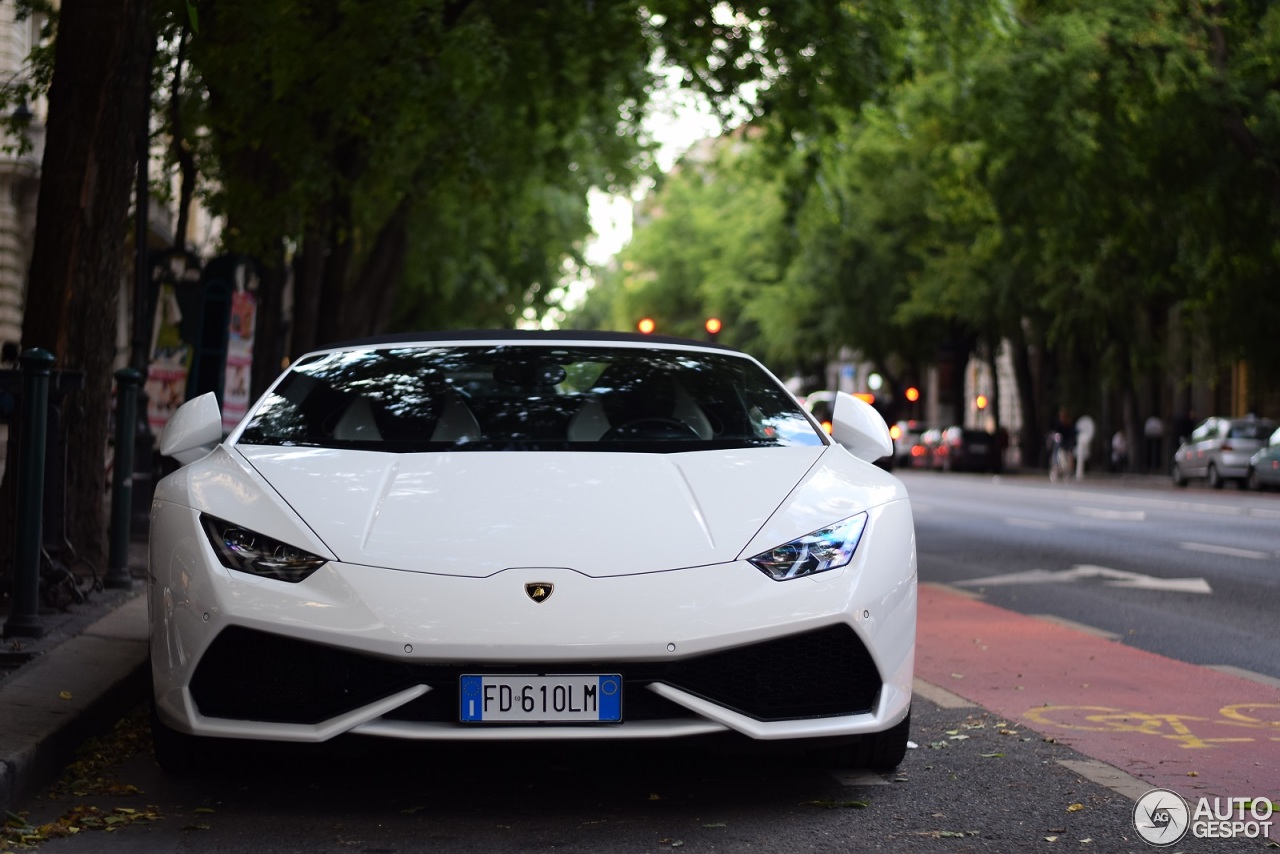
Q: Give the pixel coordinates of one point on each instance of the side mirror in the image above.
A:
(194, 430)
(856, 425)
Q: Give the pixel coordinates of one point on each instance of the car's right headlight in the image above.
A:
(823, 550)
(248, 551)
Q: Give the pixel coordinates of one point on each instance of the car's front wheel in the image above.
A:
(880, 752)
(1178, 478)
(176, 752)
(1215, 479)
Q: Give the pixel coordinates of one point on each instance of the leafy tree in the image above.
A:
(712, 240)
(97, 107)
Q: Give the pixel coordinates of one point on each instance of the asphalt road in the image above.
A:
(1192, 574)
(976, 782)
(1121, 560)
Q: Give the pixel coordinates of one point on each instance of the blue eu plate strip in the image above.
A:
(471, 701)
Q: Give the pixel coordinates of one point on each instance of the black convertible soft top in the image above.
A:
(530, 335)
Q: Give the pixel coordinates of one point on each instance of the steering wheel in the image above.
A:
(652, 427)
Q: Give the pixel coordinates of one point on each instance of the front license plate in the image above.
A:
(520, 698)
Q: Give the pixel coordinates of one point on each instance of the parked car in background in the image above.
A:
(1219, 450)
(1264, 466)
(906, 440)
(522, 536)
(821, 405)
(922, 454)
(967, 449)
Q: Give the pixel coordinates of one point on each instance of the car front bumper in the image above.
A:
(356, 649)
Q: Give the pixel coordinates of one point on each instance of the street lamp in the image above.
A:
(646, 325)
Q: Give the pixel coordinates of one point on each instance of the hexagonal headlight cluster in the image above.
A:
(825, 549)
(248, 551)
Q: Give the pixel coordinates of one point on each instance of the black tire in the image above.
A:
(176, 752)
(1252, 480)
(880, 752)
(1215, 480)
(1178, 479)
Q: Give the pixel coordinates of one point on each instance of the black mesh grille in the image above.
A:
(252, 675)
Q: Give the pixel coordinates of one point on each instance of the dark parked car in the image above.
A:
(967, 449)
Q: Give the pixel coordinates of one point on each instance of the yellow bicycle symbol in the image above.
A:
(1170, 726)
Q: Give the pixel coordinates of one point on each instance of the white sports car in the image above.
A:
(506, 535)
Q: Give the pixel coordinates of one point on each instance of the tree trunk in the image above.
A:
(271, 338)
(96, 111)
(1031, 441)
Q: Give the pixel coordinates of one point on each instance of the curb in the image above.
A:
(67, 695)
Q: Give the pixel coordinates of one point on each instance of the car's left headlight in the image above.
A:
(829, 548)
(248, 551)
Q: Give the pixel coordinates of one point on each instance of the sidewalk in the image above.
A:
(57, 690)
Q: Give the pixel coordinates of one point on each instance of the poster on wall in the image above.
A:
(239, 364)
(166, 386)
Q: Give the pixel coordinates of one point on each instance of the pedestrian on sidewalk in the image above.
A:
(1085, 429)
(1153, 434)
(1119, 451)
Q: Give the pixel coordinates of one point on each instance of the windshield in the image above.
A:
(1251, 429)
(509, 397)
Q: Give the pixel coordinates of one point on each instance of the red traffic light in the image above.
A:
(646, 325)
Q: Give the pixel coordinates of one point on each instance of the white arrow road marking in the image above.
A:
(1111, 578)
(1224, 550)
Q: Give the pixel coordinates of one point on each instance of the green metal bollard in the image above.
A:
(128, 381)
(24, 619)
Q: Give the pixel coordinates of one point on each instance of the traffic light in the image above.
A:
(713, 327)
(646, 325)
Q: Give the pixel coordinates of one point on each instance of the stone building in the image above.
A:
(19, 179)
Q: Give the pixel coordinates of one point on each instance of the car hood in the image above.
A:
(478, 513)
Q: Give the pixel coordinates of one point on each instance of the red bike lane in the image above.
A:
(1184, 727)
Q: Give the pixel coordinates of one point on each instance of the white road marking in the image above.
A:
(1079, 627)
(1227, 551)
(1114, 515)
(1110, 577)
(939, 696)
(1028, 523)
(1260, 678)
(1107, 775)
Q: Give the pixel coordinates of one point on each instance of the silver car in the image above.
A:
(1219, 450)
(1264, 466)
